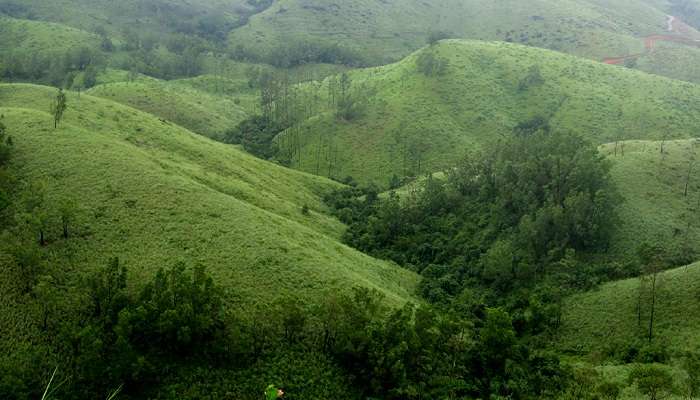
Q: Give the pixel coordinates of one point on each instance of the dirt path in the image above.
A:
(679, 33)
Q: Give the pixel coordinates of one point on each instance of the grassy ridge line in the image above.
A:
(162, 194)
(479, 99)
(386, 31)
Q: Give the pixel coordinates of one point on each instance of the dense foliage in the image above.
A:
(178, 322)
(508, 217)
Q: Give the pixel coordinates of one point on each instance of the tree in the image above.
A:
(5, 144)
(436, 36)
(107, 291)
(67, 210)
(653, 263)
(58, 107)
(608, 390)
(532, 79)
(429, 64)
(36, 210)
(652, 380)
(177, 313)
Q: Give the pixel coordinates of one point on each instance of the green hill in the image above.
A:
(416, 123)
(607, 317)
(153, 193)
(27, 37)
(385, 31)
(201, 112)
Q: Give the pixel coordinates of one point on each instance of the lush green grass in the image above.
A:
(655, 208)
(386, 31)
(115, 16)
(607, 316)
(208, 114)
(153, 193)
(29, 37)
(673, 60)
(411, 117)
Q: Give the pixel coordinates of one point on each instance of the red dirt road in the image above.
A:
(679, 33)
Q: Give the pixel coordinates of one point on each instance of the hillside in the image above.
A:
(600, 320)
(384, 31)
(26, 37)
(207, 114)
(655, 207)
(153, 193)
(416, 123)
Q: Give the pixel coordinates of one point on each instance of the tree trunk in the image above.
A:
(653, 306)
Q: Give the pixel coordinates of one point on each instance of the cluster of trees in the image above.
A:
(103, 336)
(77, 67)
(507, 217)
(430, 64)
(276, 133)
(296, 52)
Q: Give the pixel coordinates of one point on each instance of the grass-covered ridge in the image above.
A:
(153, 193)
(486, 91)
(384, 31)
(207, 114)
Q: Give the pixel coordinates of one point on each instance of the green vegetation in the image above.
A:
(198, 111)
(416, 124)
(386, 32)
(660, 193)
(162, 235)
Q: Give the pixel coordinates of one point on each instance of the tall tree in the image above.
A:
(58, 107)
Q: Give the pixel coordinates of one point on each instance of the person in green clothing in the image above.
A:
(273, 393)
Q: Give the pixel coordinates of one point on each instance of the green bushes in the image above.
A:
(429, 64)
(507, 217)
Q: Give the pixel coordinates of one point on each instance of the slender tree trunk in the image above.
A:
(687, 178)
(653, 306)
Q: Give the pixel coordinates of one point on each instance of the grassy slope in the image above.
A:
(17, 35)
(478, 99)
(673, 60)
(392, 29)
(153, 193)
(201, 112)
(114, 16)
(608, 315)
(655, 208)
(208, 104)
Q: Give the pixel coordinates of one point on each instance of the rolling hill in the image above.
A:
(368, 32)
(415, 123)
(153, 193)
(21, 36)
(386, 31)
(201, 112)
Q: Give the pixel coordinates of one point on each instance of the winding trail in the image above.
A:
(679, 32)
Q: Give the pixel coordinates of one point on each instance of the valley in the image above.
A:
(325, 199)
